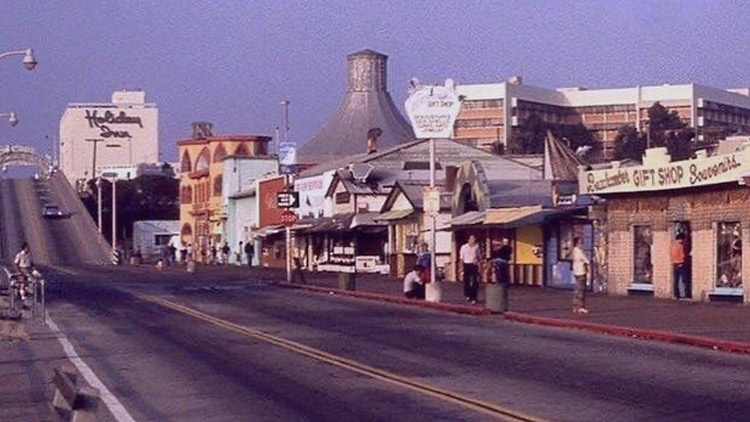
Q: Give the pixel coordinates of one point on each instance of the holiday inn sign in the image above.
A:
(675, 175)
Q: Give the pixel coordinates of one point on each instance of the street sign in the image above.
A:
(287, 200)
(431, 201)
(288, 218)
(432, 110)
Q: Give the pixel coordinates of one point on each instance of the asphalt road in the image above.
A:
(166, 365)
(224, 349)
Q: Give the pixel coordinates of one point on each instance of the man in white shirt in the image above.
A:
(580, 270)
(469, 256)
(413, 287)
(23, 261)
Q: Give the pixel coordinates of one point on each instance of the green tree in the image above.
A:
(529, 138)
(629, 143)
(665, 129)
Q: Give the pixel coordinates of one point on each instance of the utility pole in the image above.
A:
(287, 183)
(99, 202)
(93, 159)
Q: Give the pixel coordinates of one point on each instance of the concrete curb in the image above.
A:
(632, 332)
(446, 307)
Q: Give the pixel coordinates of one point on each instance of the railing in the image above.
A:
(22, 293)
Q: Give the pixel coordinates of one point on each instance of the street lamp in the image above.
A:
(12, 118)
(29, 61)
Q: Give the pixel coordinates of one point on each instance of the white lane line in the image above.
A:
(113, 404)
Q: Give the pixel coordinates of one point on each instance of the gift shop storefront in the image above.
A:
(702, 203)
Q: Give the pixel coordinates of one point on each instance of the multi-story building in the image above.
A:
(492, 113)
(124, 132)
(201, 181)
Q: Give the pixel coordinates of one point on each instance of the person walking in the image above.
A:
(469, 256)
(225, 253)
(677, 256)
(25, 266)
(502, 256)
(249, 253)
(190, 252)
(238, 254)
(580, 271)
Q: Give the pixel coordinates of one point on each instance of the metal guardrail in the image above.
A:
(23, 293)
(75, 400)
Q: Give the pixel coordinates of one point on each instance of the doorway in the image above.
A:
(682, 230)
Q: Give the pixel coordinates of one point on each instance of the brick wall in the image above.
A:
(703, 208)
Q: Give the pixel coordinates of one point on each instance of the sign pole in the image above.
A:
(288, 229)
(433, 244)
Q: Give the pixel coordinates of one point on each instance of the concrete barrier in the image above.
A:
(75, 400)
(434, 292)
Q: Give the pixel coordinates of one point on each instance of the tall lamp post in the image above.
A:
(12, 118)
(28, 61)
(111, 177)
(287, 183)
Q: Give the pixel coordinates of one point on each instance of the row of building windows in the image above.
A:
(204, 157)
(475, 104)
(202, 191)
(464, 123)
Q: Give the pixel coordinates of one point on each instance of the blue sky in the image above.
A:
(230, 62)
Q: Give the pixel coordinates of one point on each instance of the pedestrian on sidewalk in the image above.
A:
(580, 271)
(413, 285)
(249, 252)
(502, 256)
(469, 256)
(677, 256)
(238, 254)
(424, 260)
(225, 253)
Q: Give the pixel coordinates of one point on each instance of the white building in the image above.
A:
(123, 132)
(150, 236)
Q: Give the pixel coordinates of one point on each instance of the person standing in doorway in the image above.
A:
(677, 256)
(469, 256)
(502, 257)
(580, 271)
(249, 253)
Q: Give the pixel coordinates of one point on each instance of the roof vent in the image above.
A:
(360, 171)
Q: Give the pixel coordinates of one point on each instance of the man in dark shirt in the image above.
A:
(502, 255)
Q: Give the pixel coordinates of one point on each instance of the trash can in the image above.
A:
(191, 266)
(348, 281)
(433, 292)
(496, 297)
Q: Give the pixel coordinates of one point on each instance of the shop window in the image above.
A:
(729, 255)
(569, 230)
(642, 265)
(411, 238)
(162, 239)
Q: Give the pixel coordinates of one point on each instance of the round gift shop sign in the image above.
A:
(432, 109)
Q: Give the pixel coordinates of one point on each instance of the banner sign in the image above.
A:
(432, 110)
(676, 175)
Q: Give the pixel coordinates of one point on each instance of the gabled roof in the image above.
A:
(560, 162)
(412, 190)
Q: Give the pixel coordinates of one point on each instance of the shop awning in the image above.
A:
(334, 224)
(268, 231)
(394, 215)
(467, 219)
(508, 215)
(366, 219)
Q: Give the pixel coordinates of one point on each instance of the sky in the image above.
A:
(231, 62)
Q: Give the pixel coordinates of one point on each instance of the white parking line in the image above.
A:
(113, 404)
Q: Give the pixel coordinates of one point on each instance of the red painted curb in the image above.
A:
(459, 309)
(642, 333)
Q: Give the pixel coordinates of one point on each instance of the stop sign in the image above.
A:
(288, 218)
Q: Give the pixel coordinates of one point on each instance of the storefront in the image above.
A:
(703, 202)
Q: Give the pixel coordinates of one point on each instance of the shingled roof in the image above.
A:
(560, 162)
(366, 105)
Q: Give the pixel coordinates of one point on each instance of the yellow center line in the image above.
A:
(501, 412)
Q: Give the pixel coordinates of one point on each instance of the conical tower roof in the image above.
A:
(366, 105)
